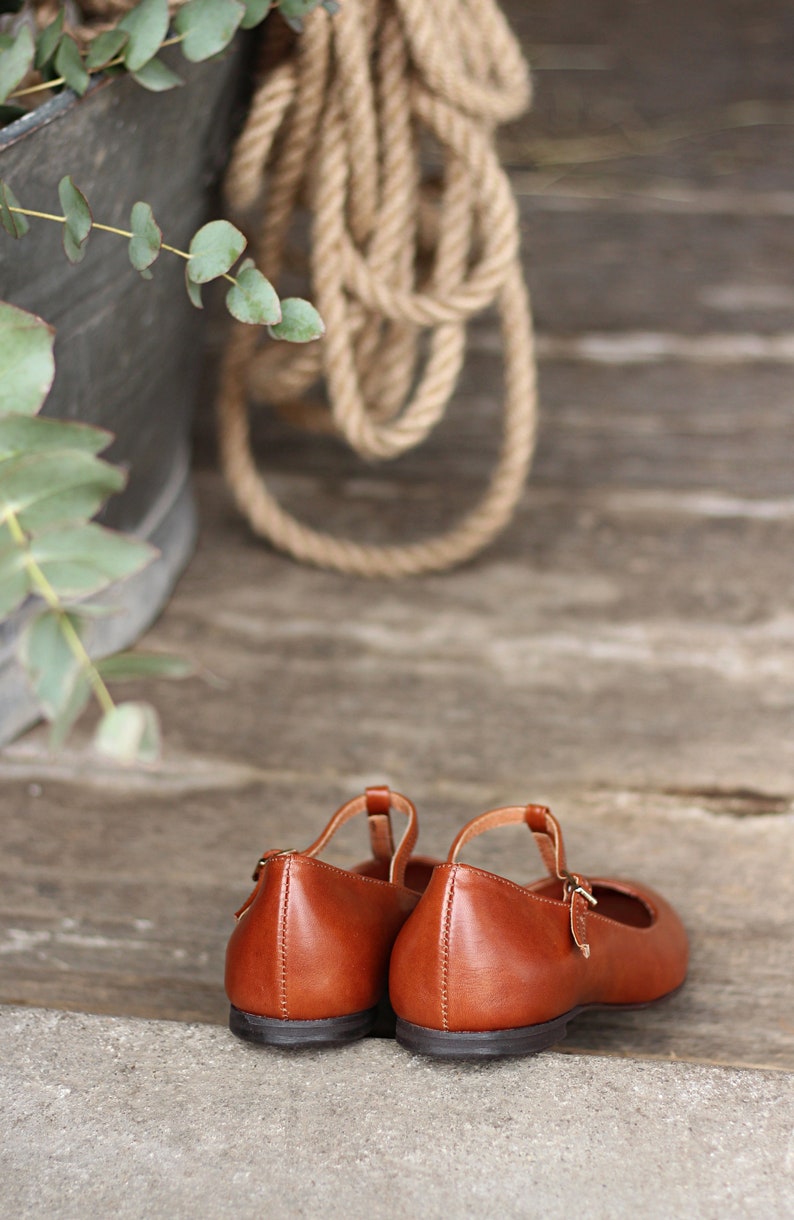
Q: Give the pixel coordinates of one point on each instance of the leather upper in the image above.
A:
(313, 941)
(481, 952)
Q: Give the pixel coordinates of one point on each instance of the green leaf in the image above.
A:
(78, 219)
(147, 237)
(193, 290)
(106, 47)
(253, 298)
(82, 559)
(157, 77)
(300, 322)
(69, 65)
(70, 709)
(255, 11)
(14, 580)
(47, 40)
(128, 665)
(33, 433)
(129, 734)
(27, 365)
(57, 485)
(16, 60)
(207, 26)
(51, 666)
(13, 222)
(147, 26)
(214, 249)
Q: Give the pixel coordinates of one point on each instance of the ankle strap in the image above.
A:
(379, 803)
(547, 834)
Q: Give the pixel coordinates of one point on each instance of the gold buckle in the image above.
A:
(572, 885)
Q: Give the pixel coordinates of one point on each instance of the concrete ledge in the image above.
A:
(110, 1116)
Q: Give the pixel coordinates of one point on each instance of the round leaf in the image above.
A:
(207, 26)
(47, 41)
(300, 322)
(27, 366)
(130, 733)
(13, 222)
(214, 249)
(106, 47)
(253, 298)
(193, 290)
(147, 26)
(16, 61)
(69, 65)
(78, 219)
(255, 11)
(157, 77)
(33, 433)
(147, 236)
(56, 485)
(50, 663)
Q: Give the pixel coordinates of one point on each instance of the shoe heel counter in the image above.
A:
(419, 973)
(254, 976)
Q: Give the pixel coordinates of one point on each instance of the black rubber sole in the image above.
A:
(499, 1043)
(483, 1044)
(330, 1031)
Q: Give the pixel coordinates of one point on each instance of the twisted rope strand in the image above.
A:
(341, 128)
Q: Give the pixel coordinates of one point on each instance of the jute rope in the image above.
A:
(340, 127)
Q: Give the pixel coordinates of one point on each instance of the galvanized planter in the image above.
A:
(127, 352)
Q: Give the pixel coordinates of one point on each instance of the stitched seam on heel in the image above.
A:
(283, 942)
(445, 957)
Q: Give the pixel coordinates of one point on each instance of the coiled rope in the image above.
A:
(340, 127)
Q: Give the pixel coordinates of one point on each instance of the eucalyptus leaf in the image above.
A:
(253, 298)
(207, 26)
(27, 365)
(82, 559)
(129, 734)
(157, 77)
(51, 665)
(106, 47)
(14, 581)
(58, 485)
(16, 60)
(300, 322)
(14, 223)
(147, 26)
(33, 433)
(213, 250)
(47, 40)
(125, 666)
(69, 65)
(79, 221)
(70, 709)
(147, 237)
(255, 11)
(193, 290)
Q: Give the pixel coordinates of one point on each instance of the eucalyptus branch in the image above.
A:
(42, 586)
(213, 252)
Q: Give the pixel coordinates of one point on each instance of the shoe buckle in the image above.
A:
(270, 855)
(573, 885)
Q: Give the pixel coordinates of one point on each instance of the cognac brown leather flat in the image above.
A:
(485, 967)
(308, 961)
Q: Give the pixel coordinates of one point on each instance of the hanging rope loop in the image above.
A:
(341, 128)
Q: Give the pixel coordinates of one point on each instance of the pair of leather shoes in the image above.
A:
(474, 965)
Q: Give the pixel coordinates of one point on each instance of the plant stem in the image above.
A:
(49, 595)
(61, 220)
(112, 63)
